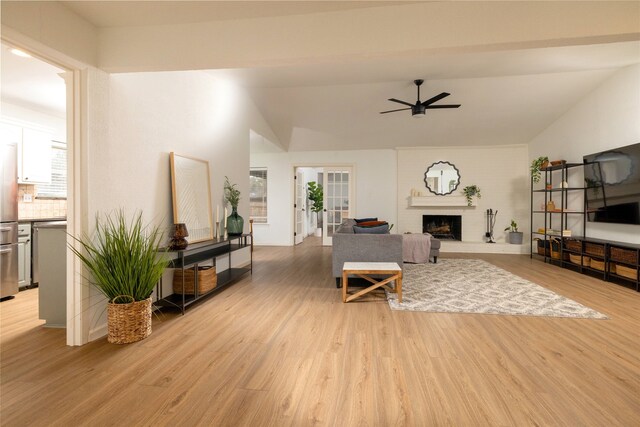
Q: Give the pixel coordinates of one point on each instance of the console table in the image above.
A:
(205, 252)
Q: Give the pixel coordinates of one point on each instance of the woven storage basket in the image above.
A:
(575, 259)
(543, 247)
(597, 264)
(130, 322)
(207, 280)
(555, 250)
(573, 245)
(594, 249)
(628, 272)
(629, 256)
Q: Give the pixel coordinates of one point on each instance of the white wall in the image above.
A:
(501, 172)
(137, 119)
(607, 118)
(375, 178)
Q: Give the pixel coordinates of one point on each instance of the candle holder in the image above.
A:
(178, 240)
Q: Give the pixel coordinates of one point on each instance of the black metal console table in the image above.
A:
(204, 252)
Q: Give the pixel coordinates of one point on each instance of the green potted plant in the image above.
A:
(536, 165)
(125, 262)
(471, 191)
(316, 196)
(234, 222)
(515, 236)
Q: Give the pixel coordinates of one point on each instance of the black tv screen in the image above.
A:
(612, 179)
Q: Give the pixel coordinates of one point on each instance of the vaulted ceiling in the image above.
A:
(320, 72)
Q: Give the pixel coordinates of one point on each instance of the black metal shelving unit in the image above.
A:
(205, 252)
(560, 215)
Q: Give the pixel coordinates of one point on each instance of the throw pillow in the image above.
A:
(364, 220)
(380, 229)
(371, 223)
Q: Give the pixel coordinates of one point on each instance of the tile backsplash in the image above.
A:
(39, 208)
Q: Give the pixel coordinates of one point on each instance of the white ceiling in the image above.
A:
(31, 83)
(142, 13)
(507, 96)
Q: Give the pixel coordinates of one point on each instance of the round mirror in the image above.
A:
(442, 178)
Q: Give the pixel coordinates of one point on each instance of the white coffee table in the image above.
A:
(366, 269)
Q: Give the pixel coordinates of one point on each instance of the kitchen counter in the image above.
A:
(58, 218)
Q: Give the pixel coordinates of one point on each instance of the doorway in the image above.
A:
(338, 201)
(38, 99)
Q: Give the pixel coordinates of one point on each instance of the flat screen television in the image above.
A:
(612, 179)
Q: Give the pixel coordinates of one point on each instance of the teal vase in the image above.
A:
(235, 223)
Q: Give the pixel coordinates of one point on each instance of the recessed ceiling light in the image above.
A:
(20, 53)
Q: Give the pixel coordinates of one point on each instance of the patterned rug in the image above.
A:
(476, 286)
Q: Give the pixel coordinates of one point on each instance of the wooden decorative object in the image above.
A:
(130, 322)
(207, 280)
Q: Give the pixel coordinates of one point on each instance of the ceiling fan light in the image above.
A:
(419, 115)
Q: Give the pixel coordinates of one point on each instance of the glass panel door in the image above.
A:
(300, 208)
(337, 200)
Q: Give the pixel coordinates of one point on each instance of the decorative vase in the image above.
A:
(130, 322)
(178, 241)
(235, 223)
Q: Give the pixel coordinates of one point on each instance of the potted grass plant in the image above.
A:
(125, 262)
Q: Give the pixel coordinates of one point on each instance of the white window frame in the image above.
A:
(55, 145)
(265, 197)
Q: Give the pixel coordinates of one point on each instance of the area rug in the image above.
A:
(476, 286)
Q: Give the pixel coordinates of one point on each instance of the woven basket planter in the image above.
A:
(207, 280)
(130, 322)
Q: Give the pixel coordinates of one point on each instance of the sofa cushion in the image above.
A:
(379, 229)
(346, 226)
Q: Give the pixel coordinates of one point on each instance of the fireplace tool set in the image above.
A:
(491, 222)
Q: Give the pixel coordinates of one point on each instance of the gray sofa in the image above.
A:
(364, 248)
(350, 247)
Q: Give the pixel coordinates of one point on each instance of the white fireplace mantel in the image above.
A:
(444, 201)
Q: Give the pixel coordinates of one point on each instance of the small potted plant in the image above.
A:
(316, 196)
(515, 236)
(537, 165)
(471, 191)
(125, 262)
(235, 223)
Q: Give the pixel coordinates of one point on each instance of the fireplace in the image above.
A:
(444, 227)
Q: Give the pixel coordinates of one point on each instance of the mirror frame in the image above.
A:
(426, 184)
(178, 196)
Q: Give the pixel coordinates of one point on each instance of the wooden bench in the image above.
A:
(367, 269)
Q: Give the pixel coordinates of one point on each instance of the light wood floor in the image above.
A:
(280, 348)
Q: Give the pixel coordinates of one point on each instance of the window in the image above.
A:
(58, 187)
(258, 195)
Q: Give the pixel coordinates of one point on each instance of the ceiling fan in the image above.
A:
(420, 108)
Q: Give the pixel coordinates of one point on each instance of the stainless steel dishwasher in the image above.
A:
(50, 271)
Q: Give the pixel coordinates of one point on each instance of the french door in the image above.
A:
(301, 198)
(338, 195)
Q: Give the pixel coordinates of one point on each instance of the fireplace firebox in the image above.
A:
(443, 227)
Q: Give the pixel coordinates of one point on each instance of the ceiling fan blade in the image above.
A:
(393, 111)
(435, 98)
(400, 102)
(443, 106)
